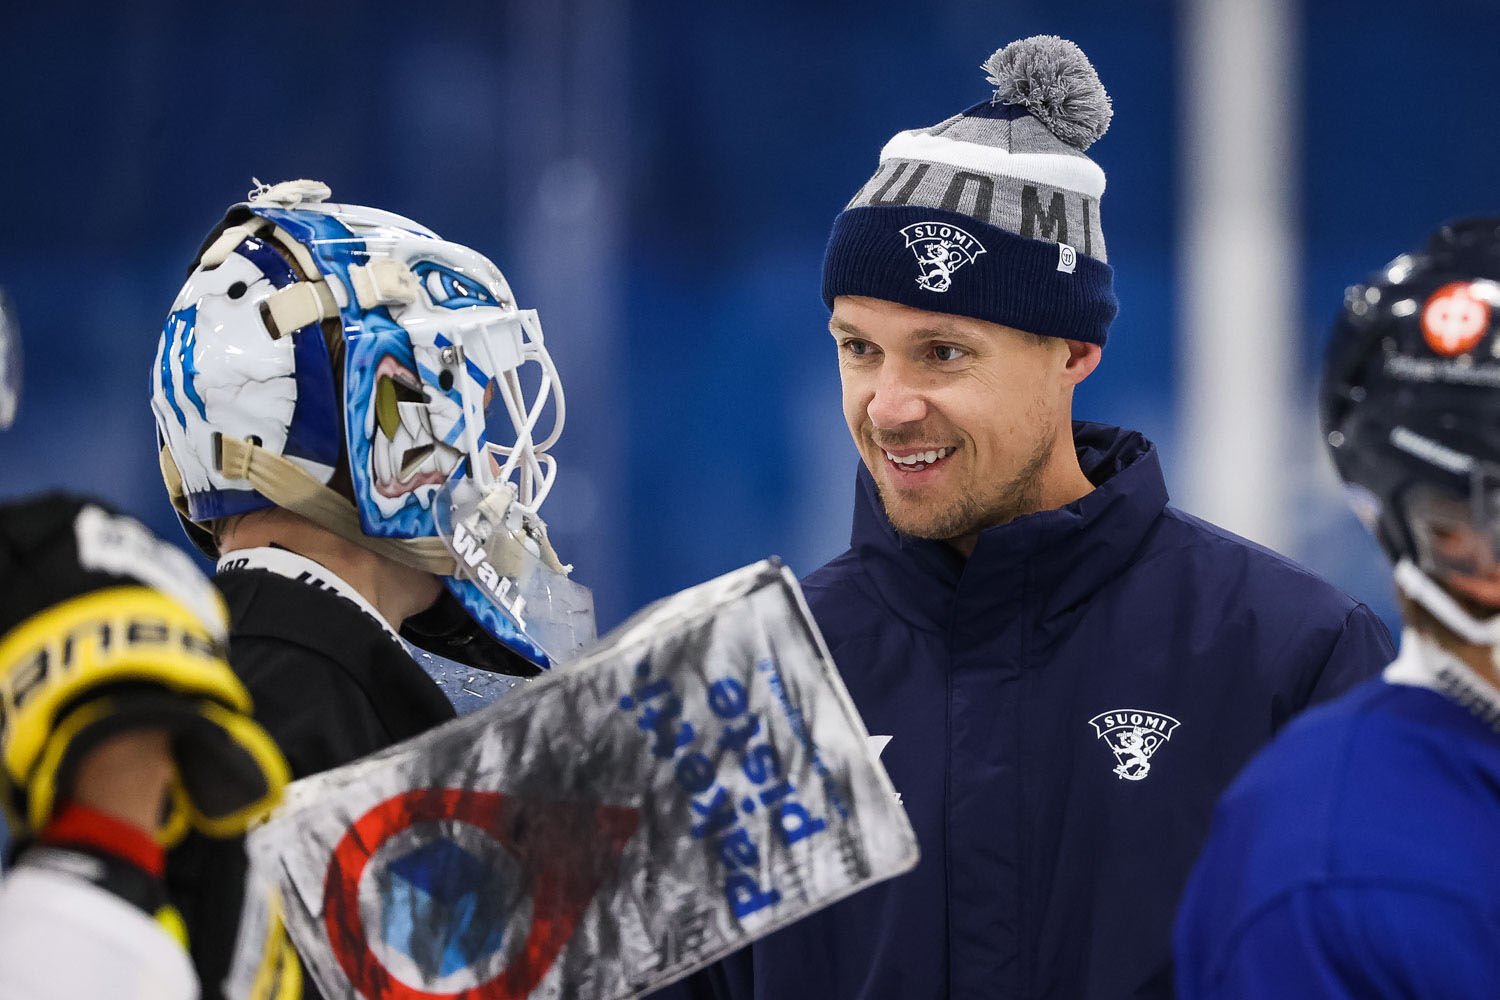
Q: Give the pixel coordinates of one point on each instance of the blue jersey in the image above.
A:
(1358, 856)
(1064, 707)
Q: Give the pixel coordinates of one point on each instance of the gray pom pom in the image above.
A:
(1053, 80)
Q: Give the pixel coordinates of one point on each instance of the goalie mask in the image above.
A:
(1410, 412)
(319, 350)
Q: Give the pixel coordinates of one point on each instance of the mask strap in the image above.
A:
(298, 305)
(288, 485)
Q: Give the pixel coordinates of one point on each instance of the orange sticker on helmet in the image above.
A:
(1455, 320)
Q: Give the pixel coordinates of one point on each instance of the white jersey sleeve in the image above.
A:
(62, 938)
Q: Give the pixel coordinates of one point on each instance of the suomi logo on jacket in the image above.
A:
(1133, 735)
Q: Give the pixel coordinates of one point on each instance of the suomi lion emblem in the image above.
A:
(1133, 735)
(940, 249)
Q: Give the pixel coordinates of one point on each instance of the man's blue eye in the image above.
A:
(450, 289)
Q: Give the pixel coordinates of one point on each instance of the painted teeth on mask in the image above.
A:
(397, 401)
(434, 457)
(921, 457)
(411, 417)
(415, 459)
(382, 457)
(387, 454)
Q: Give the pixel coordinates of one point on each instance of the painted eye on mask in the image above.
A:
(450, 289)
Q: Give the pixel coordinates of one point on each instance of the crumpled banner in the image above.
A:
(696, 781)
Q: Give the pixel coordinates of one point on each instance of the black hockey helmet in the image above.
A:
(1410, 401)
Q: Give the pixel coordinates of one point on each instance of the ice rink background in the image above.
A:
(658, 180)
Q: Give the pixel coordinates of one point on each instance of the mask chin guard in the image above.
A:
(503, 549)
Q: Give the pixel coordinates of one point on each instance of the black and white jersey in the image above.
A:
(331, 684)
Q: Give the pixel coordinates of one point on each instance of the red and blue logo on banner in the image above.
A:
(451, 894)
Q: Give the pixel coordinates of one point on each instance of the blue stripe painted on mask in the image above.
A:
(168, 388)
(477, 373)
(190, 366)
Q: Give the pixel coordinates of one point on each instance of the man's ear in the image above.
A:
(1083, 358)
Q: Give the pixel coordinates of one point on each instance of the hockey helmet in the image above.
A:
(1410, 411)
(320, 351)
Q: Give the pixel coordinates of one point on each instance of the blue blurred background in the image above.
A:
(657, 179)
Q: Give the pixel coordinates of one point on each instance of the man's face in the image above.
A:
(958, 420)
(1457, 546)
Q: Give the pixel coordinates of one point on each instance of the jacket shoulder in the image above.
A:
(1231, 560)
(842, 599)
(834, 573)
(839, 585)
(1265, 611)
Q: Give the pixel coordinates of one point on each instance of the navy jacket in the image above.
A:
(1065, 707)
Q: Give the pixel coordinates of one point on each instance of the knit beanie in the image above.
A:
(994, 213)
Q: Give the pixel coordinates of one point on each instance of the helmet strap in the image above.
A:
(293, 488)
(1423, 589)
(288, 485)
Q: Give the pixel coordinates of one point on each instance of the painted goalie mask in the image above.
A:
(310, 335)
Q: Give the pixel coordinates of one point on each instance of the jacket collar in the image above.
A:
(294, 566)
(1043, 563)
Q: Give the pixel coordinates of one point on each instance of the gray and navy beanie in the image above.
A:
(994, 213)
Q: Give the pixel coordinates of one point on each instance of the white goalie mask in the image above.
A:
(312, 338)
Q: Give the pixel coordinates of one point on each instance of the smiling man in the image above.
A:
(962, 423)
(1068, 670)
